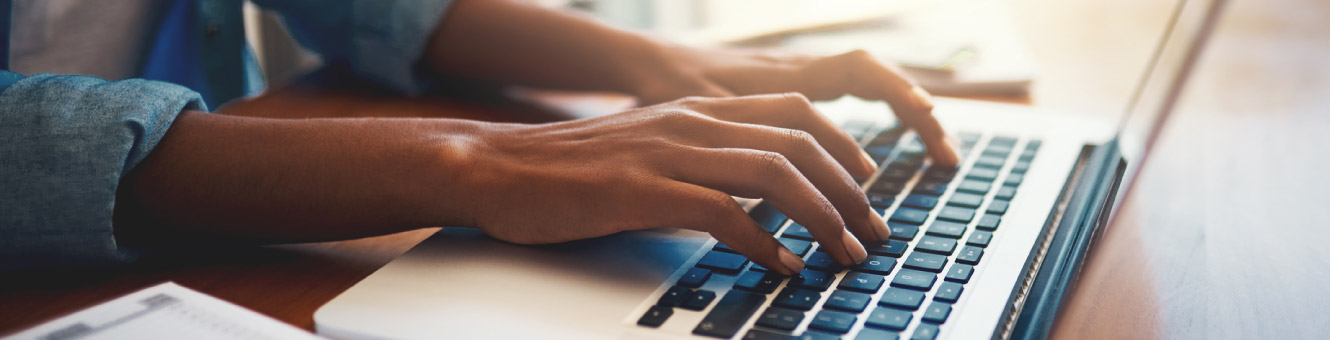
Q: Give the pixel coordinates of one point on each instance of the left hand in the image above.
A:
(684, 71)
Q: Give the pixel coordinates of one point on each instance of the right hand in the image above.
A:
(676, 165)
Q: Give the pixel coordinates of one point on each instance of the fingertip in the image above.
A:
(853, 248)
(792, 263)
(868, 165)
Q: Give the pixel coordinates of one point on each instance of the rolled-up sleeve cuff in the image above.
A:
(67, 141)
(389, 39)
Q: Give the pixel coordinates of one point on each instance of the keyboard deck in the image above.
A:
(941, 221)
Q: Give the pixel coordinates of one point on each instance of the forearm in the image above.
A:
(512, 43)
(254, 180)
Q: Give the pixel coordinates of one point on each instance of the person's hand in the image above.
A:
(683, 71)
(676, 165)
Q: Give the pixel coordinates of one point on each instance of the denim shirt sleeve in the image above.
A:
(65, 142)
(381, 40)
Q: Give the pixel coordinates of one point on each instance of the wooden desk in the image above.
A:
(1221, 238)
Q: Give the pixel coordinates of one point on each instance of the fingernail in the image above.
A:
(879, 226)
(853, 248)
(793, 264)
(869, 165)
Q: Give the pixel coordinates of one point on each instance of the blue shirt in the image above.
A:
(67, 140)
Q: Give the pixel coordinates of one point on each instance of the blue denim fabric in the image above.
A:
(66, 140)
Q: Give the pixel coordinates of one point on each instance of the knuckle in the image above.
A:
(680, 117)
(798, 139)
(715, 206)
(772, 164)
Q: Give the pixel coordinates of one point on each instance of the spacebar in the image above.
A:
(730, 313)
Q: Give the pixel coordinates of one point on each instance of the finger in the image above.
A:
(870, 78)
(716, 213)
(772, 177)
(662, 92)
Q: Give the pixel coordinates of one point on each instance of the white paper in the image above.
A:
(165, 311)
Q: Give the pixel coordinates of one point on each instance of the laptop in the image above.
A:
(985, 250)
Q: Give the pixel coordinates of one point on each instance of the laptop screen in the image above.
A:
(1162, 83)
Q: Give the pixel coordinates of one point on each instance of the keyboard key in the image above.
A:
(798, 231)
(869, 333)
(813, 335)
(767, 217)
(960, 273)
(957, 214)
(947, 229)
(833, 321)
(780, 318)
(655, 316)
(722, 262)
(910, 215)
(961, 199)
(926, 261)
(893, 248)
(902, 231)
(876, 264)
(758, 334)
(940, 174)
(989, 222)
(881, 200)
(1006, 193)
(989, 162)
(898, 175)
(914, 279)
(1020, 167)
(886, 188)
(889, 318)
(920, 201)
(937, 312)
(758, 282)
(980, 238)
(848, 301)
(823, 262)
(902, 298)
(801, 299)
(970, 255)
(949, 292)
(674, 296)
(925, 331)
(796, 246)
(699, 300)
(1013, 179)
(730, 313)
(937, 245)
(973, 186)
(1003, 141)
(930, 188)
(983, 174)
(998, 207)
(695, 277)
(1027, 155)
(813, 279)
(863, 282)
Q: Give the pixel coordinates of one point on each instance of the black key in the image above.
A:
(722, 247)
(968, 137)
(1033, 144)
(940, 174)
(721, 262)
(937, 245)
(798, 231)
(758, 334)
(946, 229)
(980, 238)
(970, 255)
(957, 214)
(780, 318)
(886, 187)
(1020, 167)
(896, 174)
(864, 282)
(973, 186)
(730, 313)
(813, 279)
(926, 261)
(848, 301)
(998, 207)
(879, 152)
(812, 335)
(881, 200)
(902, 298)
(983, 174)
(937, 312)
(910, 215)
(869, 333)
(1027, 155)
(1013, 179)
(655, 316)
(925, 331)
(1006, 193)
(989, 162)
(757, 282)
(961, 199)
(989, 222)
(914, 279)
(822, 261)
(893, 248)
(902, 231)
(949, 292)
(801, 299)
(699, 300)
(674, 296)
(796, 246)
(695, 277)
(833, 321)
(959, 273)
(767, 217)
(889, 318)
(920, 201)
(1003, 141)
(930, 188)
(875, 264)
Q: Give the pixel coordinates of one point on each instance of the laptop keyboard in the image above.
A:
(941, 221)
